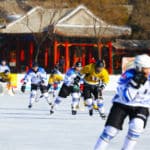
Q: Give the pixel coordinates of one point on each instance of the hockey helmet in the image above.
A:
(99, 64)
(54, 71)
(35, 64)
(78, 64)
(142, 61)
(3, 62)
(6, 72)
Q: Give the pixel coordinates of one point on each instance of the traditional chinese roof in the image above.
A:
(132, 44)
(68, 22)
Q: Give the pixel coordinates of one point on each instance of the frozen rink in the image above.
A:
(35, 129)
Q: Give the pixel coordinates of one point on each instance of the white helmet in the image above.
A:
(142, 61)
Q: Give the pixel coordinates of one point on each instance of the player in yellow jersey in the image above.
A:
(6, 82)
(54, 79)
(95, 79)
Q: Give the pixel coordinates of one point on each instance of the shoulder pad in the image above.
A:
(126, 76)
(70, 72)
(40, 69)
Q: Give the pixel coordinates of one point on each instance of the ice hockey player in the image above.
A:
(6, 80)
(4, 66)
(131, 100)
(54, 80)
(70, 86)
(95, 80)
(37, 76)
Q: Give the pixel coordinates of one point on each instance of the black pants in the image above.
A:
(42, 88)
(90, 90)
(119, 112)
(65, 91)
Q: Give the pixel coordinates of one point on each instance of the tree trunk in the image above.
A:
(37, 53)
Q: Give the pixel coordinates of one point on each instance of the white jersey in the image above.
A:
(70, 76)
(35, 77)
(128, 95)
(3, 68)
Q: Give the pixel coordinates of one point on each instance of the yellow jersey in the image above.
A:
(55, 78)
(91, 77)
(7, 78)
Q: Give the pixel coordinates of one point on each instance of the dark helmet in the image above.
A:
(35, 64)
(99, 64)
(6, 71)
(54, 71)
(3, 60)
(78, 64)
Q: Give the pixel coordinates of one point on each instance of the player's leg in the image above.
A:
(136, 127)
(2, 88)
(45, 94)
(32, 95)
(88, 98)
(63, 93)
(10, 89)
(98, 102)
(55, 86)
(75, 102)
(32, 98)
(109, 133)
(113, 125)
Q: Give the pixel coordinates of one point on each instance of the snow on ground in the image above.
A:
(35, 129)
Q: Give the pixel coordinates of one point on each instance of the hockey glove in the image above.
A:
(23, 88)
(48, 86)
(76, 88)
(2, 80)
(138, 80)
(101, 87)
(77, 80)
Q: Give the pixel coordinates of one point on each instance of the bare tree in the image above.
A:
(101, 28)
(43, 32)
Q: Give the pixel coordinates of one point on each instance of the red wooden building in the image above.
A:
(76, 34)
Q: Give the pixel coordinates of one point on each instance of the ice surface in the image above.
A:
(35, 129)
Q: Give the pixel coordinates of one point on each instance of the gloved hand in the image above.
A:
(76, 88)
(42, 82)
(23, 88)
(49, 86)
(2, 80)
(101, 86)
(77, 80)
(138, 79)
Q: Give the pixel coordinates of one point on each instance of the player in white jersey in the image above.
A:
(38, 78)
(4, 66)
(132, 99)
(70, 86)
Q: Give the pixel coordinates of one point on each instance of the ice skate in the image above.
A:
(91, 112)
(74, 112)
(30, 106)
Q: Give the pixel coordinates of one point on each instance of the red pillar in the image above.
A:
(31, 53)
(110, 58)
(22, 55)
(55, 51)
(46, 58)
(67, 59)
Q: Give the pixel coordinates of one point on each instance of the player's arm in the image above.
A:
(59, 77)
(26, 78)
(50, 81)
(104, 78)
(131, 85)
(43, 76)
(10, 81)
(2, 77)
(85, 70)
